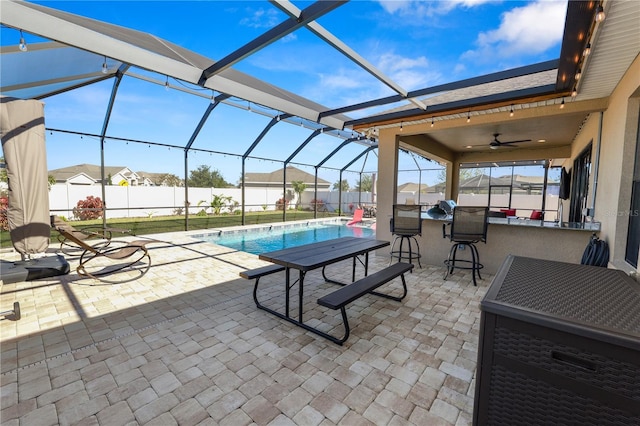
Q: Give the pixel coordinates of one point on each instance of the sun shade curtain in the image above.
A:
(23, 144)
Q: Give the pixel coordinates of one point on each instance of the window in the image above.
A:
(420, 179)
(509, 185)
(633, 236)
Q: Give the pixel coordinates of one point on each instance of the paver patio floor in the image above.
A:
(185, 344)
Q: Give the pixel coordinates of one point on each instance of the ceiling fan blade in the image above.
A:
(510, 142)
(495, 143)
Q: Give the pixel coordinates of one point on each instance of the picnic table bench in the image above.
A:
(340, 298)
(251, 274)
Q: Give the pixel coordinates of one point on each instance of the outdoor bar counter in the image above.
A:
(563, 242)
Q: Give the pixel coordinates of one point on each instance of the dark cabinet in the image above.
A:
(559, 344)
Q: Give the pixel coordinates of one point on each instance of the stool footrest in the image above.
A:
(474, 264)
(405, 255)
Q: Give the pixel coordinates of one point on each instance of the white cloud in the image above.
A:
(409, 73)
(340, 81)
(289, 38)
(349, 86)
(391, 62)
(260, 18)
(426, 8)
(527, 30)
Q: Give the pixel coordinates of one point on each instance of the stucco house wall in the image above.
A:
(617, 158)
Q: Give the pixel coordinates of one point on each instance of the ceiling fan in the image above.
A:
(495, 143)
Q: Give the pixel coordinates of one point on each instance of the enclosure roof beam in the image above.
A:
(462, 104)
(302, 145)
(342, 145)
(357, 158)
(215, 102)
(448, 87)
(262, 134)
(311, 13)
(340, 46)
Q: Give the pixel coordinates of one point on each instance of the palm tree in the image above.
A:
(218, 203)
(298, 187)
(342, 185)
(365, 184)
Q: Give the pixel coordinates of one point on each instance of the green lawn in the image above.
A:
(144, 226)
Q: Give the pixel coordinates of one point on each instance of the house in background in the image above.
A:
(159, 179)
(89, 174)
(500, 184)
(413, 188)
(275, 179)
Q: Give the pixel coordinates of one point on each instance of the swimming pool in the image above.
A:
(264, 239)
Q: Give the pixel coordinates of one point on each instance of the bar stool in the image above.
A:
(406, 223)
(469, 226)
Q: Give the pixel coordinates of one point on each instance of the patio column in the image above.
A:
(453, 181)
(387, 181)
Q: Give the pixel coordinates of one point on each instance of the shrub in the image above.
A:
(4, 221)
(89, 208)
(282, 204)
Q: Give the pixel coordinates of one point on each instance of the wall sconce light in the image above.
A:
(511, 112)
(23, 44)
(600, 14)
(574, 93)
(587, 50)
(432, 122)
(401, 126)
(562, 104)
(469, 117)
(105, 68)
(578, 74)
(166, 84)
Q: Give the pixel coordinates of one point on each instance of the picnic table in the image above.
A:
(313, 256)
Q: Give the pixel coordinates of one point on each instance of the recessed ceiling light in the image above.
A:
(469, 146)
(542, 140)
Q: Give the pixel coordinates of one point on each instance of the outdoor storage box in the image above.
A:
(559, 344)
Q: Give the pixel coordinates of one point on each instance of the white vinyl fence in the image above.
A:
(149, 201)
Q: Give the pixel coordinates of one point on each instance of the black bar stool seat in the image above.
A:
(406, 224)
(469, 227)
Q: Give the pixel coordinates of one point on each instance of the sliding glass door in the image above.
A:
(633, 236)
(580, 185)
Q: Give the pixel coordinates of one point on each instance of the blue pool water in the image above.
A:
(276, 239)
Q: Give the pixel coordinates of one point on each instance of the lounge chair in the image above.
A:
(68, 245)
(103, 257)
(357, 217)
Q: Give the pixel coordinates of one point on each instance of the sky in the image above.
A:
(418, 44)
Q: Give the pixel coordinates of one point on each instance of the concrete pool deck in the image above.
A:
(185, 344)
